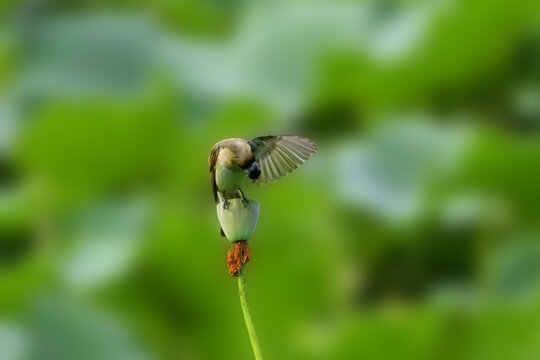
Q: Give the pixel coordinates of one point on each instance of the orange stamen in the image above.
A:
(238, 257)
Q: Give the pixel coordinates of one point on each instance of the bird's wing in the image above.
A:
(212, 159)
(279, 155)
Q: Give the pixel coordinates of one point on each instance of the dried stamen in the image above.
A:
(238, 257)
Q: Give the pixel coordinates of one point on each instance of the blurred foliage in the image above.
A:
(412, 233)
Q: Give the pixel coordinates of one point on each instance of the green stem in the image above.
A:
(247, 316)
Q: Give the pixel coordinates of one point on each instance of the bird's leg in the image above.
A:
(226, 203)
(245, 200)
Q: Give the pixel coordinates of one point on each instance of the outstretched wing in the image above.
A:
(212, 159)
(279, 155)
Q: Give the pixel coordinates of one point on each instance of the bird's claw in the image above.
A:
(245, 200)
(226, 204)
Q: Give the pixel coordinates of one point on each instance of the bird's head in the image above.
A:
(253, 170)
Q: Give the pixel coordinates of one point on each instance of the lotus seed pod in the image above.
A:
(238, 221)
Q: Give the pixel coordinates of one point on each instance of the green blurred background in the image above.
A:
(412, 234)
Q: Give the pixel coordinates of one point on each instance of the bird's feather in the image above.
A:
(279, 155)
(212, 162)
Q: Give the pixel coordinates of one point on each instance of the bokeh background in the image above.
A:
(412, 234)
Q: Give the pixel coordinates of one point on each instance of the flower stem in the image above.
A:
(247, 317)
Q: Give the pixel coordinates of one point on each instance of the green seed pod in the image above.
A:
(238, 221)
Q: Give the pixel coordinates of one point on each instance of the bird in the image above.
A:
(264, 159)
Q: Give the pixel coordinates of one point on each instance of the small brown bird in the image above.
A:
(264, 159)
